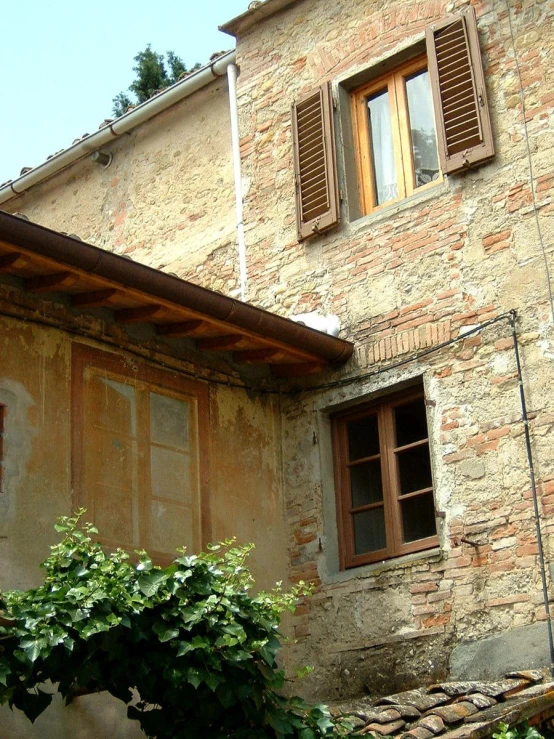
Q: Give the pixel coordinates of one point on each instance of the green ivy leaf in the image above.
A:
(32, 649)
(149, 583)
(164, 632)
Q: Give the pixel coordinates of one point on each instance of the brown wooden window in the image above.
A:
(423, 119)
(139, 457)
(385, 502)
(395, 140)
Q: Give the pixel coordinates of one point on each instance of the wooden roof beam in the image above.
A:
(219, 343)
(178, 329)
(142, 314)
(94, 298)
(51, 283)
(13, 261)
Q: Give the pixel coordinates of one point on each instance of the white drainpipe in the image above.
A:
(232, 74)
(121, 125)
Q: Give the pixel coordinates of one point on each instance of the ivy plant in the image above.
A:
(187, 647)
(520, 731)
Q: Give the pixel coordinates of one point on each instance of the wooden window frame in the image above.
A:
(118, 366)
(393, 81)
(395, 547)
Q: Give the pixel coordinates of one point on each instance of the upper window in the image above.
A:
(395, 141)
(403, 140)
(137, 438)
(385, 501)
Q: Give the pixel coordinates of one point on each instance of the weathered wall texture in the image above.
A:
(245, 499)
(416, 274)
(166, 200)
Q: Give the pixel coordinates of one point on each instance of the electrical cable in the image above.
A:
(530, 161)
(232, 382)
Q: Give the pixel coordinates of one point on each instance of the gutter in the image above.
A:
(121, 125)
(153, 283)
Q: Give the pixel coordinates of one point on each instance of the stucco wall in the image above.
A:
(167, 199)
(245, 490)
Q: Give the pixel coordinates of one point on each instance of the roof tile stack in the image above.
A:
(454, 710)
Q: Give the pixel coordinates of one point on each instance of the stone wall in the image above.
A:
(403, 280)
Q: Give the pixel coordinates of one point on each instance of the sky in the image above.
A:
(64, 62)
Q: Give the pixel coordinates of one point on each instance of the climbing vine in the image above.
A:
(187, 647)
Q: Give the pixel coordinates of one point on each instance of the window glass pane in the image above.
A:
(382, 152)
(369, 531)
(424, 142)
(418, 517)
(366, 484)
(363, 438)
(171, 527)
(411, 422)
(414, 468)
(169, 421)
(170, 474)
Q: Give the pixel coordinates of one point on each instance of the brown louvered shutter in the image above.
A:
(462, 116)
(315, 168)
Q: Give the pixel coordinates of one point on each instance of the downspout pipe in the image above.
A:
(232, 74)
(121, 125)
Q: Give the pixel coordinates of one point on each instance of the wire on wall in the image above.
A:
(530, 163)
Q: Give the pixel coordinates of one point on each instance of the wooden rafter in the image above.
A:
(143, 314)
(179, 329)
(95, 298)
(51, 283)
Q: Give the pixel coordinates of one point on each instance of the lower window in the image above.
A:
(385, 499)
(138, 435)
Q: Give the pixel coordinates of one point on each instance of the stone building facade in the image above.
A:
(423, 285)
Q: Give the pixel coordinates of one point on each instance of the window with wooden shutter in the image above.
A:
(315, 169)
(463, 123)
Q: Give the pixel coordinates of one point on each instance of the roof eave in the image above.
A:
(254, 15)
(71, 253)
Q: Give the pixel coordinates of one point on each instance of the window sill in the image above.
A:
(387, 565)
(385, 213)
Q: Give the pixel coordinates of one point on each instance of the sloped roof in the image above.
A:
(455, 710)
(50, 262)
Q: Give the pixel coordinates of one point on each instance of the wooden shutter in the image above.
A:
(462, 116)
(315, 168)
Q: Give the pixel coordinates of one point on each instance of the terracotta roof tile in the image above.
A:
(420, 698)
(432, 722)
(454, 710)
(417, 732)
(481, 701)
(385, 729)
